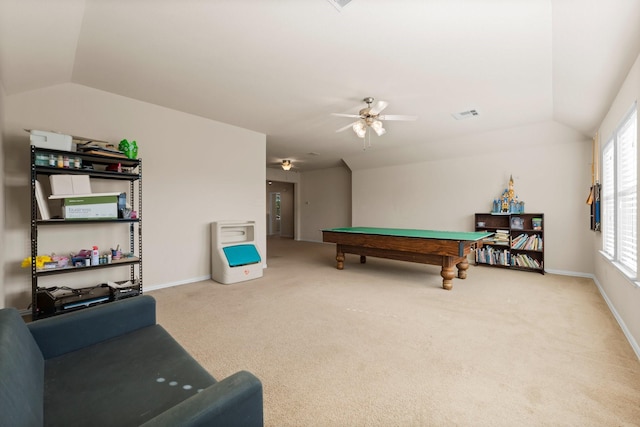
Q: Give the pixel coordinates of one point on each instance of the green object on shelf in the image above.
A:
(130, 149)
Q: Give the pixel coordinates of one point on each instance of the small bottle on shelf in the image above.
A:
(95, 256)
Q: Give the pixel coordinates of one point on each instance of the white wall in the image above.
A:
(322, 199)
(552, 176)
(187, 181)
(622, 295)
(325, 201)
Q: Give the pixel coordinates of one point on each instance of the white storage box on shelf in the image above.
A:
(51, 140)
(234, 255)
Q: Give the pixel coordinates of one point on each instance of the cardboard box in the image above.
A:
(90, 207)
(70, 184)
(51, 140)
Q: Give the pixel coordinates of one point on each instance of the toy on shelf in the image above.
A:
(508, 201)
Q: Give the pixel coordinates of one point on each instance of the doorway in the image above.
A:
(280, 209)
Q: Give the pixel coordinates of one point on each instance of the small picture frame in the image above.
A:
(517, 223)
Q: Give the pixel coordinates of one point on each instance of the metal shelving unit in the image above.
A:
(133, 176)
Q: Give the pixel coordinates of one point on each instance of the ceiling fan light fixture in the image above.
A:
(360, 129)
(286, 165)
(371, 117)
(376, 125)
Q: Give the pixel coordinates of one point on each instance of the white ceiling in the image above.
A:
(280, 67)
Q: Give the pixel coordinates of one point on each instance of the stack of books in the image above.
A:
(100, 148)
(501, 237)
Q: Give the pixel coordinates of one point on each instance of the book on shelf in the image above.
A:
(519, 241)
(532, 242)
(502, 235)
(493, 256)
(43, 206)
(523, 260)
(529, 243)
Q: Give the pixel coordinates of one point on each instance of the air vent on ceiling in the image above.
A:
(339, 4)
(465, 114)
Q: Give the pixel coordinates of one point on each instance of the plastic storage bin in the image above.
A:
(234, 255)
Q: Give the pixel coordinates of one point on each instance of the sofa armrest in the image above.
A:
(72, 331)
(234, 401)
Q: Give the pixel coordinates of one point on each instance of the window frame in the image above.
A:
(614, 168)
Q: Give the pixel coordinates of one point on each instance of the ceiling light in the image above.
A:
(376, 125)
(360, 128)
(286, 164)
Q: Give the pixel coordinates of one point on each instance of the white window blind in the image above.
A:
(627, 182)
(606, 200)
(619, 196)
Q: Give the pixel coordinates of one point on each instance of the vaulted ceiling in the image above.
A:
(280, 67)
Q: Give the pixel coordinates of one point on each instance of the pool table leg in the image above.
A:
(447, 272)
(339, 258)
(363, 259)
(463, 266)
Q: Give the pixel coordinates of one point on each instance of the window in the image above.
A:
(619, 194)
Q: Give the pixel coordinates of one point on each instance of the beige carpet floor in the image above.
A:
(382, 344)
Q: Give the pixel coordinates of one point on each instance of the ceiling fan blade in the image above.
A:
(347, 126)
(345, 115)
(398, 117)
(380, 105)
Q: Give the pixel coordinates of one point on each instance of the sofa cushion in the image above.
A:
(72, 331)
(21, 373)
(122, 381)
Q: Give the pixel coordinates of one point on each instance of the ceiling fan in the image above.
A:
(370, 117)
(285, 164)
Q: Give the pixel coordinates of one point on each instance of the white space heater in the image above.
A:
(234, 254)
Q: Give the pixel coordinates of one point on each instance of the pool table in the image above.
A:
(444, 248)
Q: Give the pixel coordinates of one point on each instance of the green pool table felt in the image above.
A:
(407, 232)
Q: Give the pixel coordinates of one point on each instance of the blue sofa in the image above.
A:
(112, 365)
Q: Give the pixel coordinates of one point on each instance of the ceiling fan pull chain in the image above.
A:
(366, 141)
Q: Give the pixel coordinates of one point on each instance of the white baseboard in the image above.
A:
(570, 273)
(612, 309)
(178, 283)
(623, 326)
